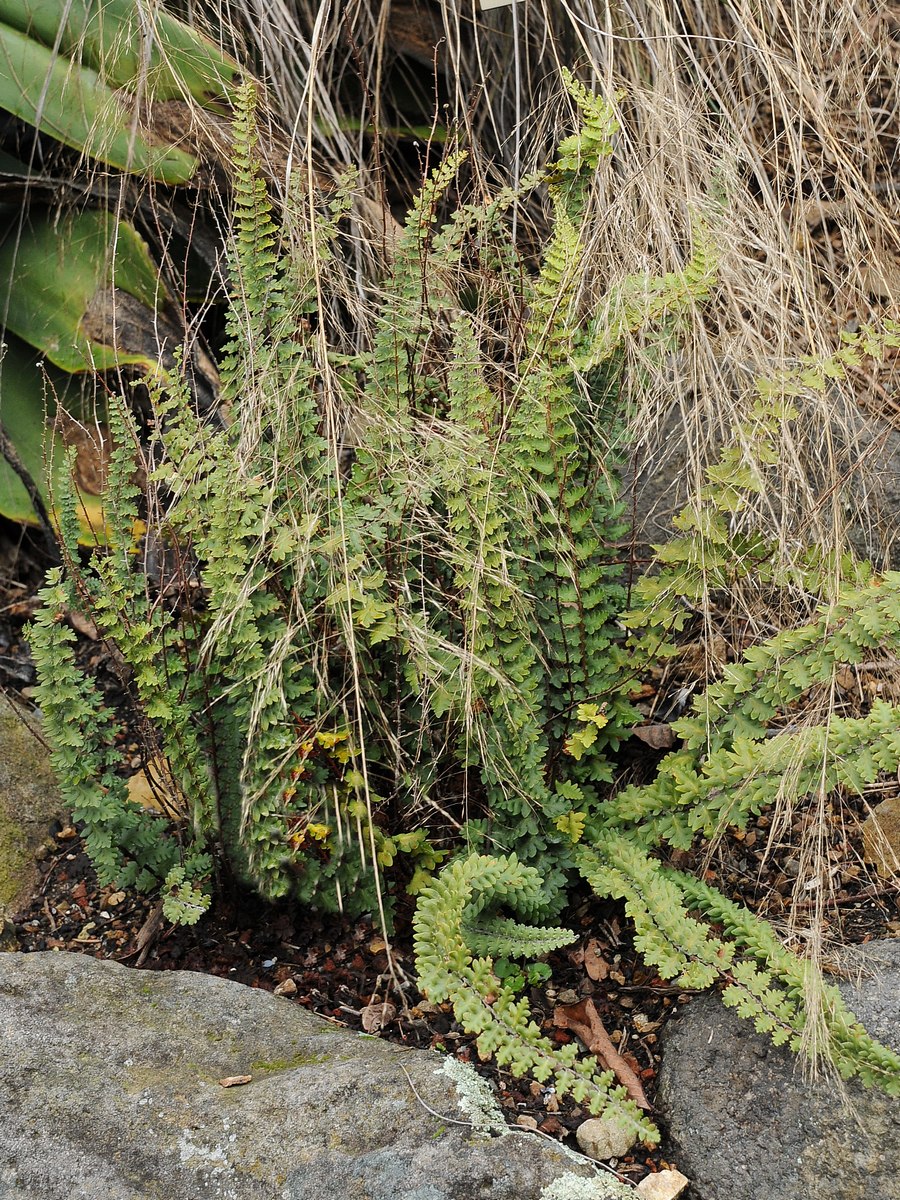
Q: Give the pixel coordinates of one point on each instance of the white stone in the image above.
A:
(601, 1138)
(664, 1185)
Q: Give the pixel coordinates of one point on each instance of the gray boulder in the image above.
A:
(110, 1090)
(747, 1126)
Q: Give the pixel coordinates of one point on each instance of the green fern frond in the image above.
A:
(852, 1050)
(483, 1004)
(127, 846)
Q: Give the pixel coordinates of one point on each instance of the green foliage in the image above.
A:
(29, 422)
(64, 275)
(106, 86)
(719, 546)
(70, 70)
(765, 983)
(73, 105)
(744, 747)
(431, 622)
(517, 977)
(127, 846)
(456, 913)
(770, 986)
(183, 904)
(748, 744)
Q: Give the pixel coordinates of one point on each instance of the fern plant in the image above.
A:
(452, 925)
(734, 762)
(406, 602)
(347, 658)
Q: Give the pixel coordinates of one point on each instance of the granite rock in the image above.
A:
(746, 1124)
(881, 837)
(30, 802)
(109, 1090)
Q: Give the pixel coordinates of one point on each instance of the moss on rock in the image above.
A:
(30, 802)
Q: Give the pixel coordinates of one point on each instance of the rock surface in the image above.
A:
(745, 1124)
(29, 803)
(881, 837)
(109, 1091)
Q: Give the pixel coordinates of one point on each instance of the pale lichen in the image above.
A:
(475, 1097)
(576, 1187)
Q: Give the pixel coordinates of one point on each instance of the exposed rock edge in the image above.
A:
(748, 1126)
(109, 1091)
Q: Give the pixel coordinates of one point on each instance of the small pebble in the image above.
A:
(664, 1185)
(602, 1138)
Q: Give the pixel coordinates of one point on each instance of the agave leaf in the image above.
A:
(73, 105)
(184, 59)
(12, 166)
(38, 442)
(129, 43)
(84, 291)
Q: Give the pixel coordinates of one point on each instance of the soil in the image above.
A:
(340, 968)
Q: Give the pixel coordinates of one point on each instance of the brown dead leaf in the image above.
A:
(378, 1016)
(594, 963)
(584, 1021)
(83, 625)
(657, 737)
(643, 1025)
(286, 988)
(153, 788)
(235, 1080)
(91, 443)
(846, 679)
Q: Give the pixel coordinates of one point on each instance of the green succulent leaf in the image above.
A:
(29, 396)
(70, 282)
(73, 104)
(127, 44)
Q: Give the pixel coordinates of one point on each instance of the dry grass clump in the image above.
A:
(786, 115)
